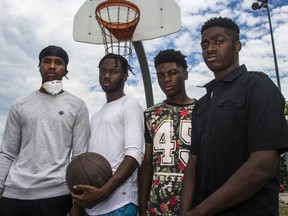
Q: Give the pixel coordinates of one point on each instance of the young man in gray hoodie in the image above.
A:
(43, 130)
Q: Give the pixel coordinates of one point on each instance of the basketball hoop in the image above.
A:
(118, 20)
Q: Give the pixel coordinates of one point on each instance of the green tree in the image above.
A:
(284, 158)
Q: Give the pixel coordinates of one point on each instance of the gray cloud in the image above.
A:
(27, 28)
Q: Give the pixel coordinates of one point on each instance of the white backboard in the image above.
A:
(157, 18)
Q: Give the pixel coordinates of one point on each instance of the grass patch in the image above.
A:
(283, 211)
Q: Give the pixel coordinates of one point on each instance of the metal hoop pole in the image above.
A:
(139, 49)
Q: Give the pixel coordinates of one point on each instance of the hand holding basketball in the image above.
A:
(88, 168)
(91, 195)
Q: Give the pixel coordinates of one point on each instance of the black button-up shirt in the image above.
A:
(240, 114)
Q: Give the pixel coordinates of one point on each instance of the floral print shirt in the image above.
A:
(169, 127)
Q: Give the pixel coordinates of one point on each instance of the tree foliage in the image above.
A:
(283, 158)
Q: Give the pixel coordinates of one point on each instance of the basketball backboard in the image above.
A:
(157, 18)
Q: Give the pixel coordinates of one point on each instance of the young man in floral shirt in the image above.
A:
(167, 136)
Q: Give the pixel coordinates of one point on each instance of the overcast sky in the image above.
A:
(28, 26)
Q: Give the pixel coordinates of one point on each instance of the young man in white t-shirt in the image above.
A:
(117, 133)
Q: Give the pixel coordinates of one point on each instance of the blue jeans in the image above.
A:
(128, 210)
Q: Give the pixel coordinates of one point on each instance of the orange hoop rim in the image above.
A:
(112, 25)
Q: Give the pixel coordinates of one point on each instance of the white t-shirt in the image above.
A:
(118, 130)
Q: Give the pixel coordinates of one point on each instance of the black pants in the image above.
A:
(56, 206)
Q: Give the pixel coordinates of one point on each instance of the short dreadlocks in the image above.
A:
(118, 58)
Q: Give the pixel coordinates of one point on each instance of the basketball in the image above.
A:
(88, 168)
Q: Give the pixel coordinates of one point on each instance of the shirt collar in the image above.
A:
(234, 74)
